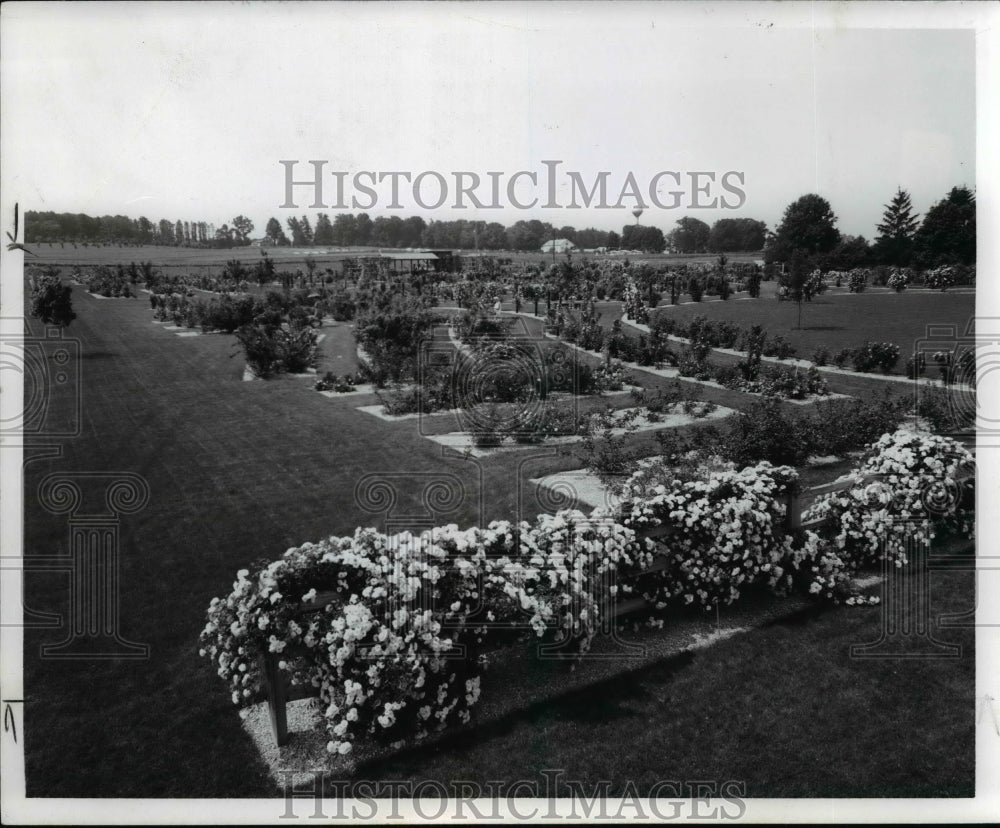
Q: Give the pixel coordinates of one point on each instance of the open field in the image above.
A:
(194, 259)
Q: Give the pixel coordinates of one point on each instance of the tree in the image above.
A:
(344, 229)
(298, 237)
(307, 231)
(362, 229)
(413, 231)
(243, 227)
(947, 235)
(323, 233)
(166, 232)
(264, 269)
(689, 236)
(850, 252)
(614, 241)
(737, 235)
(224, 236)
(274, 233)
(796, 277)
(894, 243)
(808, 226)
(643, 237)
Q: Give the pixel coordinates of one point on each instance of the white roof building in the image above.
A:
(560, 246)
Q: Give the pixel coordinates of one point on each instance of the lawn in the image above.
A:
(841, 320)
(783, 709)
(240, 471)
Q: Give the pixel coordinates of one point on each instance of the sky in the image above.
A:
(183, 111)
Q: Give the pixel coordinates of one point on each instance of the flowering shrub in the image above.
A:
(814, 285)
(51, 300)
(331, 382)
(916, 488)
(611, 377)
(104, 281)
(857, 279)
(397, 645)
(774, 381)
(727, 533)
(878, 357)
(634, 307)
(898, 279)
(384, 650)
(940, 278)
(271, 349)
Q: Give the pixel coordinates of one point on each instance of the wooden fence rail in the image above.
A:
(279, 691)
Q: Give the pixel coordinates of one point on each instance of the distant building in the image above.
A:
(409, 260)
(559, 246)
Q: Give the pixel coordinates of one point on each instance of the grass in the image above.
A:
(783, 709)
(241, 471)
(838, 321)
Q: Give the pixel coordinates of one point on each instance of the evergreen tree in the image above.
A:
(894, 243)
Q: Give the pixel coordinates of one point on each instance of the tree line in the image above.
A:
(808, 238)
(807, 232)
(79, 228)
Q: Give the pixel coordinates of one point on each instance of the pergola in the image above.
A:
(408, 259)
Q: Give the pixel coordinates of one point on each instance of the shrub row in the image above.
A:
(381, 649)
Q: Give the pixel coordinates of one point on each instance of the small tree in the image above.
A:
(796, 280)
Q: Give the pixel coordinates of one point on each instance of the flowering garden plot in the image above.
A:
(393, 632)
(612, 423)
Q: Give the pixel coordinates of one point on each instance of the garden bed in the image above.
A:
(671, 372)
(465, 442)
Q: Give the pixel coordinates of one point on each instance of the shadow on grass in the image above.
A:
(823, 328)
(597, 703)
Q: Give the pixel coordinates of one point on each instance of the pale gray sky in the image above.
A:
(182, 111)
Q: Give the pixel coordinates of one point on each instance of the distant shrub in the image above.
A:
(875, 357)
(857, 279)
(764, 432)
(51, 300)
(779, 347)
(229, 313)
(898, 279)
(271, 349)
